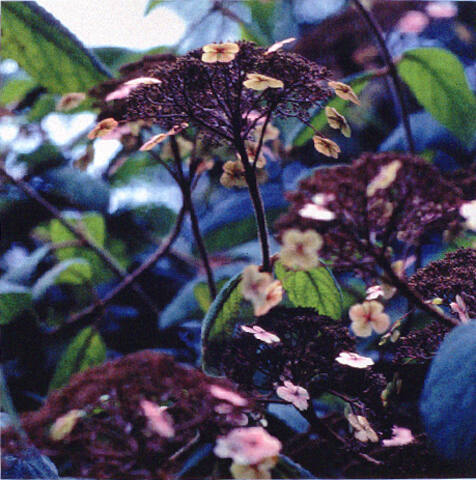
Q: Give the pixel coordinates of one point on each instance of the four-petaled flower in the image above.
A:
(65, 424)
(159, 420)
(362, 429)
(103, 128)
(354, 360)
(257, 81)
(344, 91)
(468, 211)
(219, 52)
(260, 289)
(294, 394)
(326, 146)
(261, 334)
(400, 436)
(247, 446)
(228, 395)
(368, 316)
(384, 178)
(299, 250)
(337, 121)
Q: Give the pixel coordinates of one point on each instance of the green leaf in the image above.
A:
(46, 50)
(74, 271)
(436, 77)
(14, 300)
(220, 321)
(314, 288)
(319, 120)
(14, 90)
(86, 350)
(202, 294)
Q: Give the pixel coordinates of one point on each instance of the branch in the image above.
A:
(375, 27)
(111, 262)
(161, 251)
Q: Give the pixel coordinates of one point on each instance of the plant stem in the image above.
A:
(257, 201)
(375, 27)
(185, 186)
(110, 261)
(161, 251)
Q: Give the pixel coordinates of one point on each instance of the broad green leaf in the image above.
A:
(202, 293)
(74, 271)
(86, 350)
(14, 300)
(22, 272)
(236, 233)
(47, 50)
(220, 321)
(436, 77)
(45, 104)
(14, 90)
(94, 227)
(314, 288)
(319, 119)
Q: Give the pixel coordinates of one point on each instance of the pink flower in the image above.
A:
(368, 316)
(460, 308)
(354, 360)
(294, 394)
(261, 334)
(413, 21)
(385, 291)
(121, 92)
(228, 396)
(159, 420)
(400, 436)
(247, 446)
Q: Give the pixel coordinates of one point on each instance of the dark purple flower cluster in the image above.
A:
(213, 98)
(381, 200)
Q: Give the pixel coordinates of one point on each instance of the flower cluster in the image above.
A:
(446, 279)
(125, 418)
(224, 89)
(377, 202)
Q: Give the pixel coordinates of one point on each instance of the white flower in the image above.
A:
(468, 211)
(354, 360)
(276, 46)
(400, 436)
(368, 316)
(317, 212)
(294, 394)
(384, 178)
(261, 334)
(300, 249)
(362, 429)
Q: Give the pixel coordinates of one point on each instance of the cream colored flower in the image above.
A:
(233, 174)
(156, 139)
(299, 251)
(65, 424)
(468, 211)
(326, 146)
(385, 291)
(384, 178)
(294, 394)
(344, 91)
(159, 420)
(354, 360)
(257, 81)
(219, 52)
(362, 429)
(337, 121)
(142, 81)
(261, 470)
(103, 128)
(260, 289)
(69, 101)
(317, 212)
(278, 45)
(261, 334)
(368, 316)
(251, 149)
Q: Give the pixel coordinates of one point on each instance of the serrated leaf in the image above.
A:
(319, 120)
(220, 321)
(314, 288)
(74, 271)
(22, 272)
(46, 50)
(86, 350)
(14, 300)
(436, 77)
